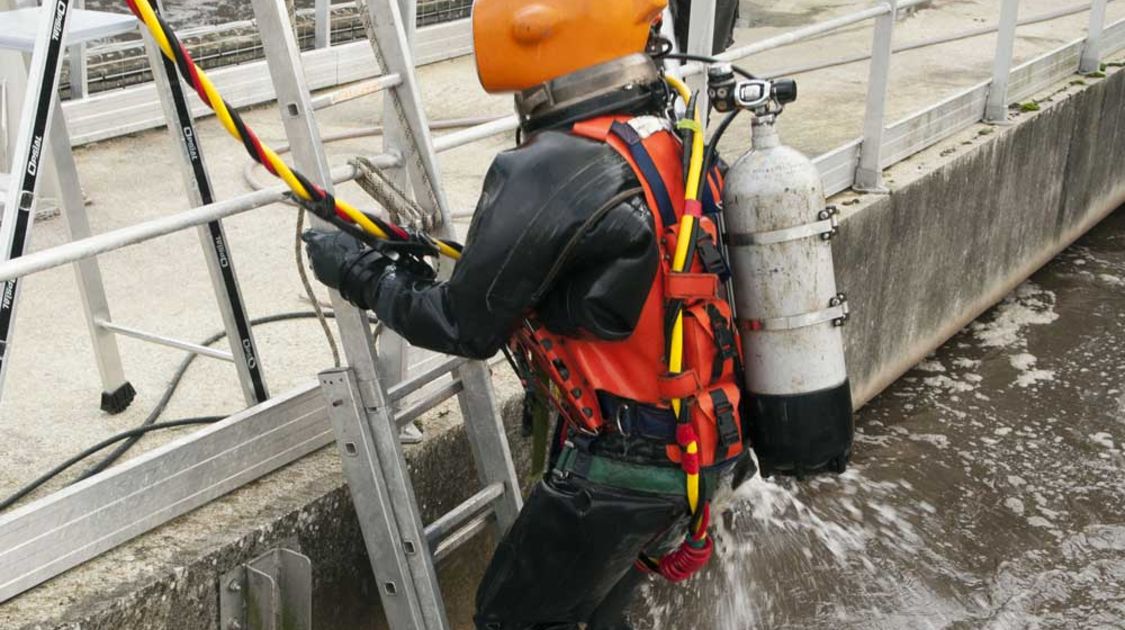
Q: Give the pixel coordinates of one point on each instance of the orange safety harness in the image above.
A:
(704, 393)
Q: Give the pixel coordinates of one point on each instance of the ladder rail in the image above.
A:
(31, 143)
(362, 414)
(357, 441)
(91, 289)
(212, 237)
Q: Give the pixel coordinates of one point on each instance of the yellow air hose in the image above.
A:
(680, 263)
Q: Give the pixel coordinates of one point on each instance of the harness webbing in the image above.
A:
(645, 163)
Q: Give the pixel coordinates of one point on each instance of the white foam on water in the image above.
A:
(940, 441)
(1022, 361)
(948, 384)
(1102, 439)
(1029, 375)
(1028, 305)
(1034, 377)
(1112, 280)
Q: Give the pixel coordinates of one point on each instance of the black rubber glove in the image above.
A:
(327, 252)
(344, 264)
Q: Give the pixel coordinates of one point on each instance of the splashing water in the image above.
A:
(985, 491)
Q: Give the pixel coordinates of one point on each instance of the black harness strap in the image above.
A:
(726, 348)
(649, 172)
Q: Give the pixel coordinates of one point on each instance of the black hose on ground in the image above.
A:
(166, 397)
(132, 436)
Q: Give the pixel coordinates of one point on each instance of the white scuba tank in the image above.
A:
(790, 313)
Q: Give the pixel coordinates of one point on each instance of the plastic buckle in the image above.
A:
(712, 258)
(724, 418)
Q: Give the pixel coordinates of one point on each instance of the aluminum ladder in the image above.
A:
(42, 129)
(365, 399)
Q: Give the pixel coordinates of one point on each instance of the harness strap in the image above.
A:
(690, 287)
(680, 386)
(712, 198)
(724, 342)
(649, 172)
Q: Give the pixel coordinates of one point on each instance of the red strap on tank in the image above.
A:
(690, 287)
(679, 386)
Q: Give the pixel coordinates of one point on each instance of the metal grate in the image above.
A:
(438, 11)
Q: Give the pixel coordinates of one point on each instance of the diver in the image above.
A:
(594, 262)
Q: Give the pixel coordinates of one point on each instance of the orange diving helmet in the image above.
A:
(522, 43)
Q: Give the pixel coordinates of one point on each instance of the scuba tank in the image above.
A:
(789, 311)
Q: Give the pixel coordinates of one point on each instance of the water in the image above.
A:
(987, 489)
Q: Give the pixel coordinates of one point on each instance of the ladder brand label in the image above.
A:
(248, 351)
(189, 142)
(9, 295)
(60, 17)
(221, 252)
(33, 163)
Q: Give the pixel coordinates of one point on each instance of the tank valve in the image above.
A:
(728, 92)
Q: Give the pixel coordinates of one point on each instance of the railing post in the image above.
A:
(78, 74)
(869, 175)
(1092, 52)
(667, 30)
(323, 23)
(701, 41)
(996, 109)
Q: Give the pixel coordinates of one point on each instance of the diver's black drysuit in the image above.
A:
(561, 229)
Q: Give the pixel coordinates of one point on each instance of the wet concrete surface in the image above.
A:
(986, 490)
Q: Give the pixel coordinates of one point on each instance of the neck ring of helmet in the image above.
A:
(630, 84)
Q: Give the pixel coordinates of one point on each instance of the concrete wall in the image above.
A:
(967, 221)
(972, 218)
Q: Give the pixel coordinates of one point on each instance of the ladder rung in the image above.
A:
(462, 522)
(432, 399)
(461, 536)
(413, 384)
(165, 341)
(357, 90)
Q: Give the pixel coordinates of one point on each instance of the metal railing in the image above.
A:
(857, 164)
(116, 52)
